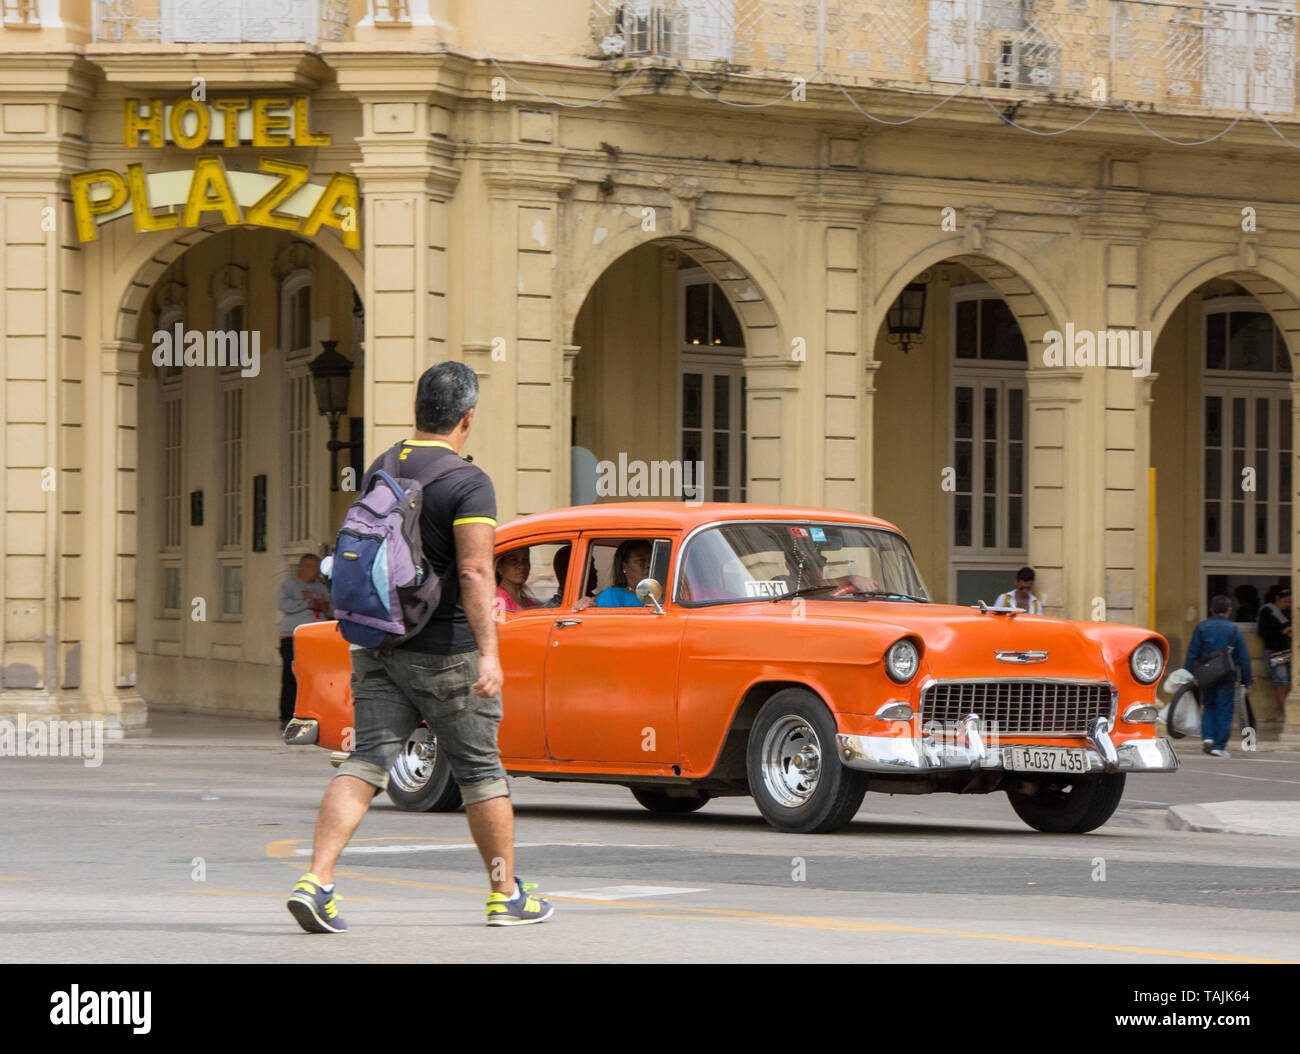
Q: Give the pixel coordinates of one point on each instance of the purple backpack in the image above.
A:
(382, 588)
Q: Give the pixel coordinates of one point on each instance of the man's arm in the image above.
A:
(290, 600)
(474, 544)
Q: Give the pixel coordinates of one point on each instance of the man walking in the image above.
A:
(448, 674)
(302, 599)
(1218, 634)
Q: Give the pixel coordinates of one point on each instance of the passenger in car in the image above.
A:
(512, 570)
(631, 565)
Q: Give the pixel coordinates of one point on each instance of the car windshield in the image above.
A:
(756, 561)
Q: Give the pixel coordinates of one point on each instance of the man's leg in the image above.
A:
(383, 720)
(492, 826)
(341, 811)
(466, 727)
(1225, 703)
(288, 683)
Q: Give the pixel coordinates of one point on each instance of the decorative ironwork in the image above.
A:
(231, 22)
(1228, 55)
(21, 13)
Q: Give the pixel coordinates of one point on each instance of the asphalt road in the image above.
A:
(181, 847)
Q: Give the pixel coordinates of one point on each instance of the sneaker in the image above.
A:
(315, 910)
(1220, 754)
(1207, 745)
(523, 910)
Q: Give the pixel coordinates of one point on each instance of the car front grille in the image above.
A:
(1015, 707)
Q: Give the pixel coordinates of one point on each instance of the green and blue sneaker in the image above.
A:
(523, 910)
(315, 910)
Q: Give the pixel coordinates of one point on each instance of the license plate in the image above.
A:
(1044, 759)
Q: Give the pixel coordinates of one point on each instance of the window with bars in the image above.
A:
(1246, 474)
(989, 459)
(711, 392)
(298, 521)
(172, 421)
(392, 12)
(232, 465)
(21, 13)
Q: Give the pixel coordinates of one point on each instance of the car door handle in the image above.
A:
(568, 622)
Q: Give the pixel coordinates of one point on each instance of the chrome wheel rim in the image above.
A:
(414, 765)
(791, 761)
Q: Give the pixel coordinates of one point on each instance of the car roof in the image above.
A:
(671, 515)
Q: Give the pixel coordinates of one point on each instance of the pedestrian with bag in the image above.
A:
(1275, 630)
(1216, 656)
(424, 523)
(301, 599)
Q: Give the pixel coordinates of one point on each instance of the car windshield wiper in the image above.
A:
(803, 592)
(884, 593)
(855, 593)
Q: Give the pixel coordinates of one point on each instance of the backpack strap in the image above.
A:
(424, 477)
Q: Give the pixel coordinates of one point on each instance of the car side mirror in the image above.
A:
(650, 592)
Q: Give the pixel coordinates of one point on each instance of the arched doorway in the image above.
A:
(666, 336)
(1224, 401)
(235, 477)
(951, 424)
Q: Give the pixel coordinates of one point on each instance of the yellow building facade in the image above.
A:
(661, 231)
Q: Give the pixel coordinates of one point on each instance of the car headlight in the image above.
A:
(902, 661)
(1147, 662)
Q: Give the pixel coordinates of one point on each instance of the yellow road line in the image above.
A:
(4, 879)
(704, 914)
(812, 922)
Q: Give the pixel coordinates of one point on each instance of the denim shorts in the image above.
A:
(393, 691)
(1279, 673)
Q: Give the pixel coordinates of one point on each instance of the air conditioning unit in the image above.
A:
(1033, 64)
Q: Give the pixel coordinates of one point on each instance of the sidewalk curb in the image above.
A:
(1197, 818)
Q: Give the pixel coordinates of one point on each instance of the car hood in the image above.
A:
(960, 642)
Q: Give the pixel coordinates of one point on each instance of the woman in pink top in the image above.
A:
(512, 572)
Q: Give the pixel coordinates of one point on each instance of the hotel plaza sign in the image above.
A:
(278, 195)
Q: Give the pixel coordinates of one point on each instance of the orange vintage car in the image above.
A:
(791, 654)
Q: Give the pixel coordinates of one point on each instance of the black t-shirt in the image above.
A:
(463, 494)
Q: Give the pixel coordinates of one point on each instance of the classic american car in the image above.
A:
(791, 654)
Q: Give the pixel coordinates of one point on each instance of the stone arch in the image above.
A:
(1268, 281)
(746, 284)
(1027, 293)
(148, 262)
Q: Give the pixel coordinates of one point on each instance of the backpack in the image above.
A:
(382, 588)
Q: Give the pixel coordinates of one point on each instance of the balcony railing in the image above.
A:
(1225, 55)
(224, 22)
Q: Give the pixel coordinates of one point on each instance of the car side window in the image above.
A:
(616, 565)
(531, 576)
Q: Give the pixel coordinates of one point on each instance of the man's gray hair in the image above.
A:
(445, 394)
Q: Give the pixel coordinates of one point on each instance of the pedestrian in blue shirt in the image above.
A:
(1218, 633)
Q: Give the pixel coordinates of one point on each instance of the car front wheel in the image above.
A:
(420, 779)
(794, 770)
(1069, 804)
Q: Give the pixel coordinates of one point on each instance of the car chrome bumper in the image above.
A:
(302, 731)
(969, 753)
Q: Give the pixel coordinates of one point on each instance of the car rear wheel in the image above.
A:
(662, 802)
(794, 770)
(1069, 804)
(420, 779)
